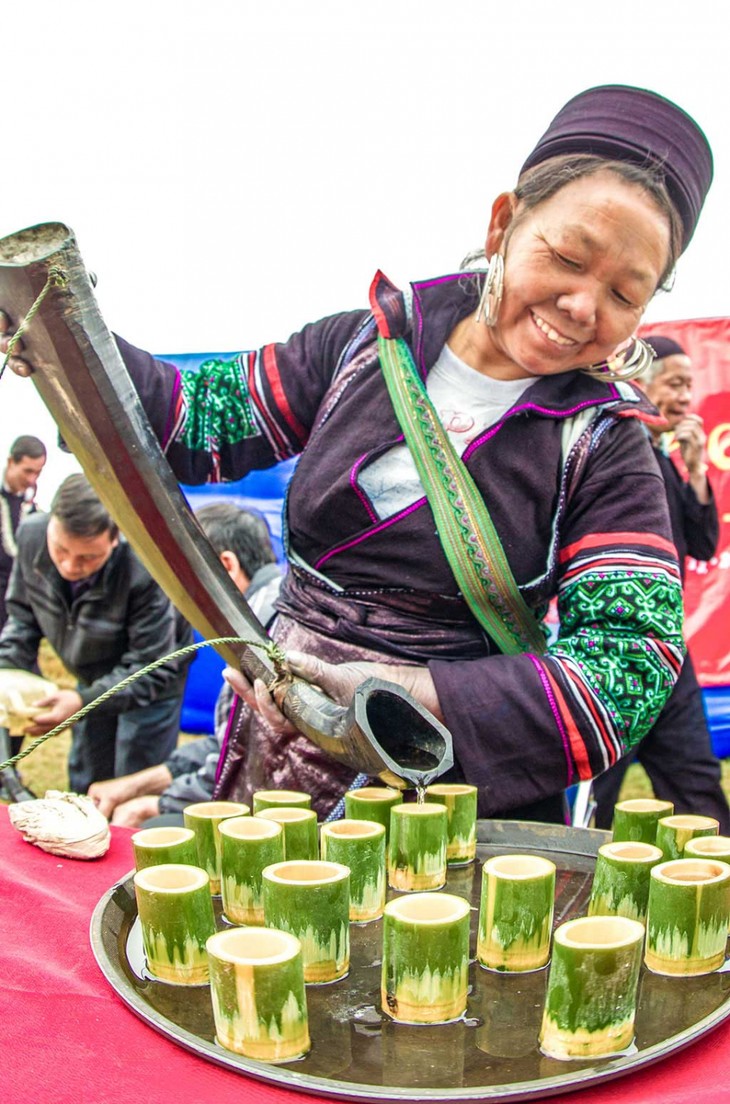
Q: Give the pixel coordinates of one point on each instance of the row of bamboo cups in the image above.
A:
(292, 889)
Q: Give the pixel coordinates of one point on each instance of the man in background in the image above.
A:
(77, 582)
(20, 481)
(677, 754)
(243, 543)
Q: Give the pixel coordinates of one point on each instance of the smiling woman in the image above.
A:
(579, 272)
(468, 450)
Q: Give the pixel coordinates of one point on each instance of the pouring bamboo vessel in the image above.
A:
(82, 379)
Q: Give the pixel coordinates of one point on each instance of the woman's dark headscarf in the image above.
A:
(622, 123)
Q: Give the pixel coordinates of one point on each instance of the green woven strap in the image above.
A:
(465, 529)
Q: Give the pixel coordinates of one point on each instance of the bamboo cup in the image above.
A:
(300, 830)
(673, 832)
(687, 922)
(359, 844)
(257, 990)
(621, 879)
(275, 799)
(425, 958)
(417, 847)
(708, 847)
(590, 1005)
(636, 820)
(248, 844)
(176, 915)
(516, 912)
(372, 803)
(461, 819)
(204, 817)
(312, 901)
(157, 846)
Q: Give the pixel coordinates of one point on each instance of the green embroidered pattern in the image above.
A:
(219, 409)
(616, 629)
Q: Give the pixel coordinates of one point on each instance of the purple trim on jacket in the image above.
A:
(377, 529)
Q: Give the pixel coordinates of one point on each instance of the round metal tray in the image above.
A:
(359, 1054)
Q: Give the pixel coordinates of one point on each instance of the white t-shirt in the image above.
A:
(467, 403)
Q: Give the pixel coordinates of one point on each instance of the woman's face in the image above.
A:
(580, 268)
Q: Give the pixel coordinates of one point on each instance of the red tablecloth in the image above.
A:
(67, 1038)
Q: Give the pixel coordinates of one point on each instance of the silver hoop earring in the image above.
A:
(491, 298)
(622, 367)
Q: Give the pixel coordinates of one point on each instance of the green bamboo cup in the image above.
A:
(311, 899)
(258, 995)
(425, 958)
(590, 1006)
(687, 922)
(176, 915)
(204, 817)
(157, 846)
(417, 847)
(621, 879)
(275, 799)
(248, 844)
(673, 832)
(516, 913)
(300, 830)
(359, 844)
(708, 847)
(461, 819)
(636, 819)
(372, 803)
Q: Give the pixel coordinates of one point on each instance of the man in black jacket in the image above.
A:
(677, 754)
(20, 479)
(78, 583)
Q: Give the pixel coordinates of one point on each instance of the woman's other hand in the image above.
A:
(338, 680)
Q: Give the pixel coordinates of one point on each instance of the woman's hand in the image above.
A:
(338, 680)
(258, 698)
(15, 361)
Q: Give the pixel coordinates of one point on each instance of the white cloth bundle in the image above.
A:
(63, 823)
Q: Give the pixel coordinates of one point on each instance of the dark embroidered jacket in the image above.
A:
(590, 527)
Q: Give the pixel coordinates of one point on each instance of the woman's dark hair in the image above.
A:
(76, 507)
(539, 184)
(232, 529)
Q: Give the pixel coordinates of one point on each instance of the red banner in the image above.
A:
(707, 588)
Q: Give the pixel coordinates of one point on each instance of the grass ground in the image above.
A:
(45, 768)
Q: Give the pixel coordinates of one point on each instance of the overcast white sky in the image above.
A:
(235, 168)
